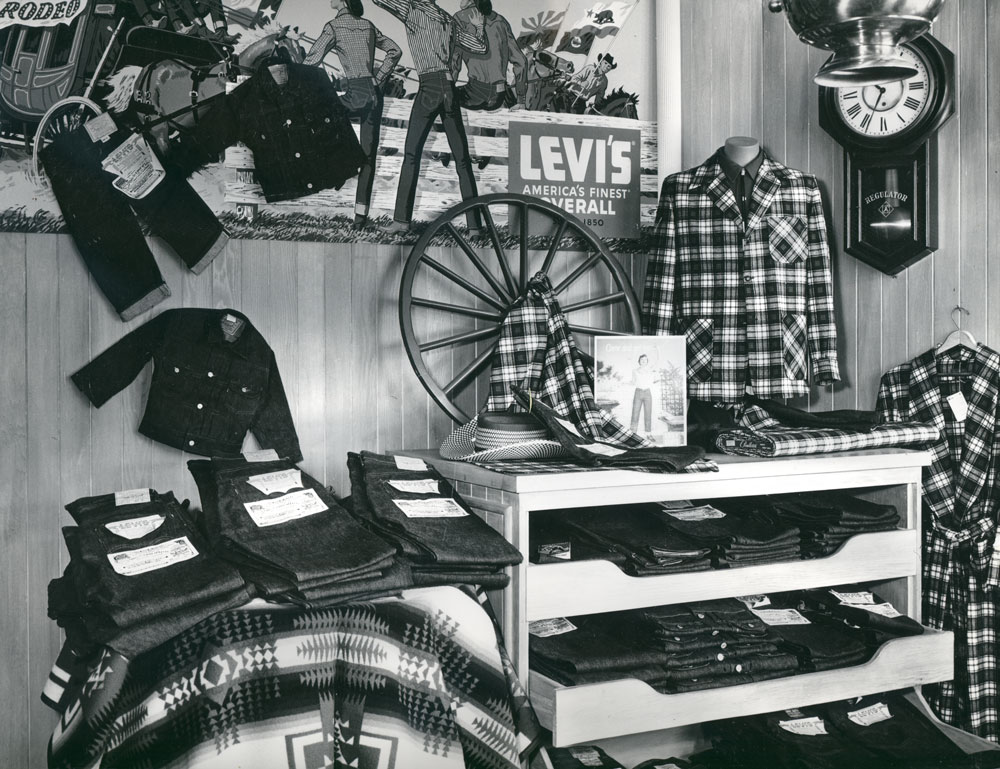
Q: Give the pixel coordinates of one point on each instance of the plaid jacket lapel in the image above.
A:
(721, 194)
(766, 186)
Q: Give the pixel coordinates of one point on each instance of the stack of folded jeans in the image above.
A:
(139, 573)
(434, 531)
(289, 536)
(551, 540)
(740, 532)
(636, 532)
(717, 643)
(879, 731)
(855, 605)
(828, 518)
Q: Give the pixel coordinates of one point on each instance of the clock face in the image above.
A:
(889, 108)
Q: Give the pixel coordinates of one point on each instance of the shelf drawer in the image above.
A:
(591, 587)
(597, 711)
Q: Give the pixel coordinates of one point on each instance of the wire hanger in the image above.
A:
(959, 337)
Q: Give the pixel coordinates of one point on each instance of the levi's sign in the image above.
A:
(591, 172)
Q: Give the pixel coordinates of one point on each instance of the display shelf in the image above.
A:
(629, 706)
(588, 587)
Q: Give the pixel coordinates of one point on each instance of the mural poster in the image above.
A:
(243, 98)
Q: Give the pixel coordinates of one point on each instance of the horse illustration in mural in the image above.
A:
(170, 93)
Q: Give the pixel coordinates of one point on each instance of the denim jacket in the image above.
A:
(207, 390)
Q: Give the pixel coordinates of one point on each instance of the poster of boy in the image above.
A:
(642, 381)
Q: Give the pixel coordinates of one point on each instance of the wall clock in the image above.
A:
(888, 134)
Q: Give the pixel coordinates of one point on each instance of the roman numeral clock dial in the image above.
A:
(888, 133)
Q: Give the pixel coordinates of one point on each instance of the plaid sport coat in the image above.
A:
(754, 300)
(961, 569)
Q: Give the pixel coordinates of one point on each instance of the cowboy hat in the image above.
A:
(494, 437)
(608, 59)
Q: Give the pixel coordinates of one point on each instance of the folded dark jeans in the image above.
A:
(638, 569)
(605, 454)
(612, 641)
(317, 546)
(764, 662)
(734, 530)
(789, 416)
(581, 757)
(132, 580)
(551, 540)
(462, 539)
(825, 601)
(716, 640)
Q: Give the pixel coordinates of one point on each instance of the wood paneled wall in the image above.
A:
(329, 311)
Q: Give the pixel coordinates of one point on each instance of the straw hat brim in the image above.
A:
(460, 445)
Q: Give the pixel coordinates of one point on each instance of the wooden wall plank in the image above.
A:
(869, 335)
(15, 680)
(44, 542)
(362, 423)
(339, 333)
(311, 417)
(389, 394)
(774, 98)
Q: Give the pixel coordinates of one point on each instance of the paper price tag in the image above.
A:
(884, 609)
(959, 406)
(442, 507)
(754, 601)
(410, 463)
(778, 617)
(873, 714)
(601, 449)
(137, 170)
(280, 481)
(855, 599)
(587, 756)
(263, 455)
(543, 628)
(703, 513)
(135, 528)
(417, 487)
(101, 127)
(678, 504)
(129, 563)
(808, 727)
(298, 504)
(132, 497)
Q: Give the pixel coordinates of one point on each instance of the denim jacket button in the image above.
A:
(244, 389)
(201, 405)
(176, 370)
(298, 154)
(739, 668)
(190, 443)
(210, 375)
(720, 657)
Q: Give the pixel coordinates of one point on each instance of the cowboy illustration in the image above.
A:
(354, 40)
(590, 83)
(487, 72)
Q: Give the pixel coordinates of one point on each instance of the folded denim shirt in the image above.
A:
(214, 379)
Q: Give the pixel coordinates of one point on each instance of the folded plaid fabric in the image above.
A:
(760, 435)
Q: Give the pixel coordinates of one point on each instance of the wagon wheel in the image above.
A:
(62, 117)
(457, 288)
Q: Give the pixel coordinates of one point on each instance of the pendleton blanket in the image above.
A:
(414, 682)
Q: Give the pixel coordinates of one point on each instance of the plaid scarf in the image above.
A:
(537, 353)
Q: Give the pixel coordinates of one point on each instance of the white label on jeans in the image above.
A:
(101, 127)
(298, 504)
(808, 727)
(703, 513)
(410, 463)
(885, 609)
(543, 628)
(959, 406)
(601, 449)
(754, 601)
(132, 562)
(569, 426)
(777, 617)
(442, 507)
(280, 481)
(263, 455)
(134, 528)
(587, 756)
(136, 168)
(873, 714)
(561, 550)
(677, 504)
(855, 599)
(132, 497)
(416, 487)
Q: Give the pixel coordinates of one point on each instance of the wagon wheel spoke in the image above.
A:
(597, 301)
(554, 245)
(494, 236)
(466, 375)
(471, 312)
(584, 267)
(457, 339)
(478, 263)
(456, 278)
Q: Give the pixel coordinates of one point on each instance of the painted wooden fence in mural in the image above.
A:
(438, 188)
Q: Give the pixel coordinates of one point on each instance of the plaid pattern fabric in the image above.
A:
(537, 352)
(754, 298)
(431, 33)
(539, 467)
(354, 40)
(961, 569)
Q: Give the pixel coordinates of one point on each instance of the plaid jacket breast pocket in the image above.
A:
(788, 238)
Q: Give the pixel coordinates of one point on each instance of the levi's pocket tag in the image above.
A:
(135, 528)
(279, 481)
(136, 168)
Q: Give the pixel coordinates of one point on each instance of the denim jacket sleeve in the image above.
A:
(115, 368)
(272, 425)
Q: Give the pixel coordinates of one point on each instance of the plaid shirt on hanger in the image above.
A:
(961, 569)
(754, 299)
